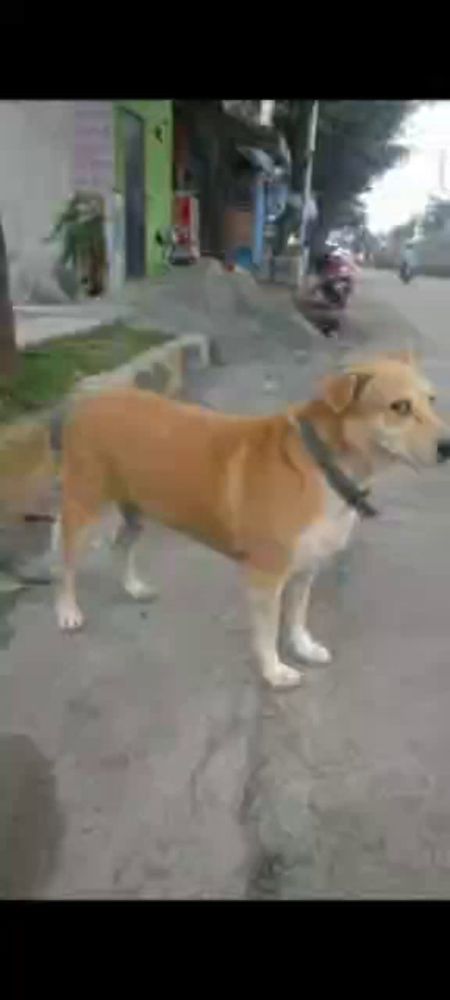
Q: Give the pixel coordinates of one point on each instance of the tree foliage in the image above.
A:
(405, 231)
(356, 142)
(435, 219)
(436, 216)
(248, 110)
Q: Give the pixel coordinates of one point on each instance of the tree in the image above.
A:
(8, 349)
(355, 143)
(247, 110)
(436, 216)
(399, 234)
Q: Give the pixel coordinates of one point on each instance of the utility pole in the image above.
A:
(442, 172)
(310, 149)
(266, 112)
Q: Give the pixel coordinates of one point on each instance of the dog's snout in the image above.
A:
(443, 449)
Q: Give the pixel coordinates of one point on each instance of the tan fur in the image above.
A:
(222, 479)
(245, 486)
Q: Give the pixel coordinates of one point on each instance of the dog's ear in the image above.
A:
(340, 391)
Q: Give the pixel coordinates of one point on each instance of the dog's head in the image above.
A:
(385, 410)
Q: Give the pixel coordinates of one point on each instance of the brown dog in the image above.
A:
(277, 494)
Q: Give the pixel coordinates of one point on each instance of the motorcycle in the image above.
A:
(406, 272)
(336, 279)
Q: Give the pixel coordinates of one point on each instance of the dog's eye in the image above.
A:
(402, 406)
(431, 399)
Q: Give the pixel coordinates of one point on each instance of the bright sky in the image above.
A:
(405, 189)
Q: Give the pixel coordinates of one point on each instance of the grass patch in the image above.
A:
(51, 369)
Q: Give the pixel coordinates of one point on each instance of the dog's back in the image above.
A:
(169, 459)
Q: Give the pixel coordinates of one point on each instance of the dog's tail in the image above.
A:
(56, 427)
(55, 430)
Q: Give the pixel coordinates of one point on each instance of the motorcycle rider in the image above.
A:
(332, 252)
(408, 264)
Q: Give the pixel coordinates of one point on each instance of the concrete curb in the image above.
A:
(27, 466)
(161, 367)
(299, 317)
(307, 327)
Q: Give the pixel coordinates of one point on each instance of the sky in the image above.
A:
(404, 190)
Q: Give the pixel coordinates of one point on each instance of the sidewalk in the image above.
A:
(204, 298)
(37, 323)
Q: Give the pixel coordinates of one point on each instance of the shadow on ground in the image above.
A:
(28, 801)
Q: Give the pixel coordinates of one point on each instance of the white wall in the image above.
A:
(36, 154)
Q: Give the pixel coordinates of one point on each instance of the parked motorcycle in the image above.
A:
(336, 278)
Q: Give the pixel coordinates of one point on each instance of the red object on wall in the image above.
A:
(186, 225)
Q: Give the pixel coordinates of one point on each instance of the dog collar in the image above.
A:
(353, 495)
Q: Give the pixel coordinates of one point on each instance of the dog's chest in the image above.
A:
(326, 536)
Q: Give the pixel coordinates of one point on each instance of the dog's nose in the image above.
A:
(443, 449)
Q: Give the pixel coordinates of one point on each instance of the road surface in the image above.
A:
(142, 758)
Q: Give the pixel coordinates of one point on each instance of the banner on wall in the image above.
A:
(93, 169)
(93, 154)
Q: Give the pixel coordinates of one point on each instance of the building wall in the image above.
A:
(50, 148)
(158, 170)
(35, 169)
(238, 228)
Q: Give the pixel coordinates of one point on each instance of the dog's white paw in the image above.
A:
(69, 616)
(305, 647)
(279, 675)
(139, 590)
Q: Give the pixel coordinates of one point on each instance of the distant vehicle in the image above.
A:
(406, 272)
(336, 273)
(408, 266)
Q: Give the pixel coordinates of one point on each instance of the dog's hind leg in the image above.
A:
(295, 610)
(74, 524)
(127, 539)
(83, 496)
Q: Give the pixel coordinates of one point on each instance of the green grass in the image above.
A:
(51, 369)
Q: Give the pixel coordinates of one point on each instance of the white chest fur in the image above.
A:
(328, 535)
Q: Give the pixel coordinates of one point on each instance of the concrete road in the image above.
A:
(143, 759)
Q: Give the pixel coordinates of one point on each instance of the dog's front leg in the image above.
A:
(264, 596)
(296, 603)
(127, 539)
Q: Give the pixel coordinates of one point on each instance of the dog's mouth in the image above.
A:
(396, 455)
